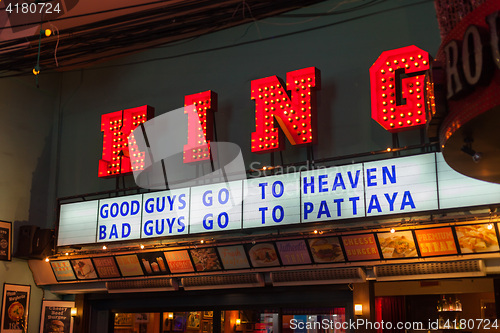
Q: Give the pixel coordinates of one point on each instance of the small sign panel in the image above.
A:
(263, 255)
(106, 267)
(179, 261)
(62, 270)
(216, 207)
(293, 252)
(436, 242)
(477, 238)
(233, 257)
(326, 249)
(129, 265)
(84, 269)
(402, 185)
(333, 193)
(77, 223)
(399, 244)
(119, 219)
(205, 259)
(360, 247)
(272, 201)
(165, 213)
(153, 263)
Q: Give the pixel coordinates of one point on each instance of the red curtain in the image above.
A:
(390, 309)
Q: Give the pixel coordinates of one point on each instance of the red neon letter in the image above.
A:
(397, 102)
(200, 125)
(296, 115)
(117, 126)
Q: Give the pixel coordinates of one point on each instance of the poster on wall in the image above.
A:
(398, 244)
(56, 317)
(5, 240)
(84, 269)
(477, 238)
(15, 306)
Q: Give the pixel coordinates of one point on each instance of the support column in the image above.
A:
(364, 294)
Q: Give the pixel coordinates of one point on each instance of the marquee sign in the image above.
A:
(381, 188)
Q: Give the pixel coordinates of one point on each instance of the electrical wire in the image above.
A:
(87, 44)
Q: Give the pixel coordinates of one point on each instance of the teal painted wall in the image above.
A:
(26, 173)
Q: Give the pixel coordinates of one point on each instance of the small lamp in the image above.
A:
(170, 315)
(358, 309)
(74, 312)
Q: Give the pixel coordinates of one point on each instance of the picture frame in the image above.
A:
(208, 314)
(124, 319)
(15, 307)
(5, 241)
(141, 318)
(194, 320)
(205, 326)
(56, 316)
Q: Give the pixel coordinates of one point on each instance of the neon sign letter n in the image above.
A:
(295, 114)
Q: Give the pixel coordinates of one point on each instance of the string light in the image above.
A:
(490, 226)
(393, 230)
(47, 259)
(104, 247)
(142, 246)
(202, 241)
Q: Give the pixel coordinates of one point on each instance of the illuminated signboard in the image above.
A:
(129, 265)
(179, 261)
(165, 213)
(457, 190)
(62, 270)
(77, 223)
(401, 185)
(326, 249)
(271, 201)
(361, 247)
(119, 218)
(436, 242)
(398, 102)
(233, 257)
(205, 259)
(296, 115)
(200, 125)
(106, 267)
(117, 158)
(263, 255)
(293, 252)
(332, 193)
(398, 244)
(216, 207)
(381, 188)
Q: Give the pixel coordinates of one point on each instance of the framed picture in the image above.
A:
(208, 314)
(15, 306)
(124, 319)
(205, 326)
(193, 321)
(5, 241)
(142, 318)
(179, 323)
(56, 317)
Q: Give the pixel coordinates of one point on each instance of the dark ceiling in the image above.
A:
(86, 32)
